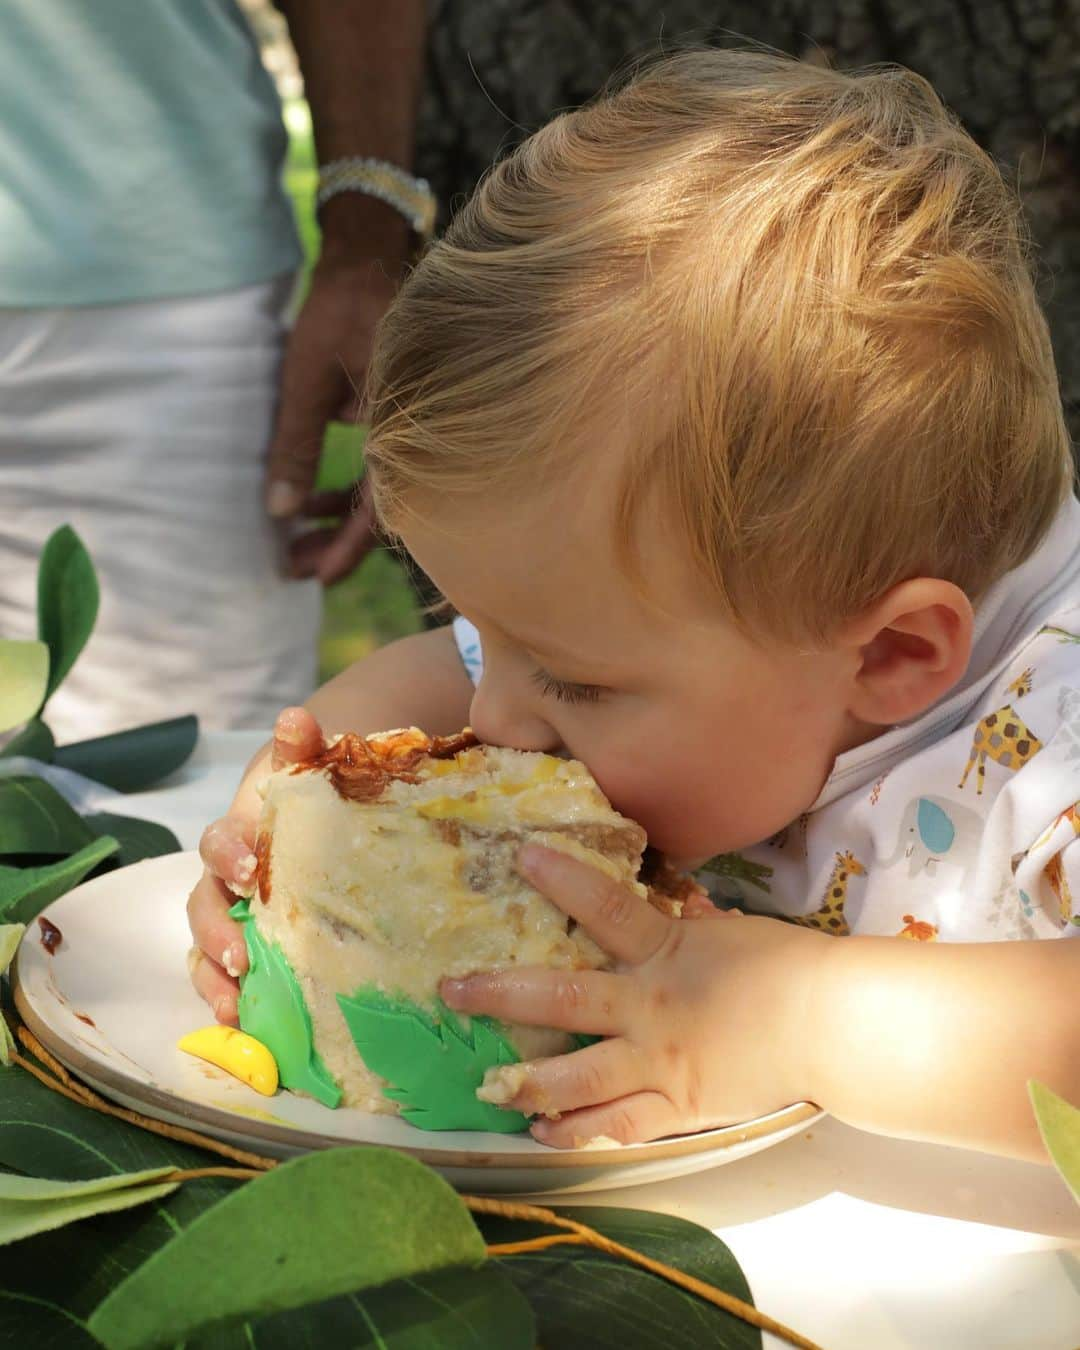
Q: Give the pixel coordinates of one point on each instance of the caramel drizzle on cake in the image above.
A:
(360, 769)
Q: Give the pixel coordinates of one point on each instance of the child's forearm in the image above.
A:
(417, 681)
(937, 1042)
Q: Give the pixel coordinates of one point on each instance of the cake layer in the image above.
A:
(383, 865)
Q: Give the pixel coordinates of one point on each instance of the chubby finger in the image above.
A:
(218, 936)
(623, 923)
(575, 1000)
(297, 736)
(214, 986)
(600, 1073)
(630, 1120)
(227, 850)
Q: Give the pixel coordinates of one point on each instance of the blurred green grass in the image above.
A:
(375, 604)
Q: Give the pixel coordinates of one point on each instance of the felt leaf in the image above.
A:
(128, 761)
(35, 741)
(25, 891)
(1059, 1125)
(138, 838)
(30, 1205)
(35, 818)
(304, 1239)
(433, 1064)
(67, 602)
(10, 937)
(24, 677)
(591, 1301)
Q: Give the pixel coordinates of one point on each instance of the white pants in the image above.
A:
(145, 427)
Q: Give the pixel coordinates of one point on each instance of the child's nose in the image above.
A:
(498, 718)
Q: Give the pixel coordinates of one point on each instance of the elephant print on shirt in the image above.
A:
(933, 829)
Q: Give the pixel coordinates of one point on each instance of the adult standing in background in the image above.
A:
(150, 394)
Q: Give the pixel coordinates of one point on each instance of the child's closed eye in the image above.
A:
(567, 691)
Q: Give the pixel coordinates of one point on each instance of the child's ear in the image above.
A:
(912, 646)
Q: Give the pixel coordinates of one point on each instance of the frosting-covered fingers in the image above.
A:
(630, 1120)
(574, 1000)
(297, 736)
(227, 848)
(214, 986)
(623, 923)
(548, 1087)
(218, 936)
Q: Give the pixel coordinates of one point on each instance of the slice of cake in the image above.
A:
(387, 863)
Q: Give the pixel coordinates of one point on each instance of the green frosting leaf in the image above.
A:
(433, 1063)
(272, 1009)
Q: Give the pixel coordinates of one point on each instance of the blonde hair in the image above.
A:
(808, 292)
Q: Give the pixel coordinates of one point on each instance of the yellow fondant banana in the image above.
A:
(237, 1053)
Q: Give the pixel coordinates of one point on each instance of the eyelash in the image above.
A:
(564, 691)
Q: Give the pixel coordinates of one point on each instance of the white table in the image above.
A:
(858, 1242)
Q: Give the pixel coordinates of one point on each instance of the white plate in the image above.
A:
(114, 999)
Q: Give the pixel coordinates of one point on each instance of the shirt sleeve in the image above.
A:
(1048, 874)
(468, 645)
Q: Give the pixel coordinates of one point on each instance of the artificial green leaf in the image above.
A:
(40, 1323)
(25, 891)
(24, 677)
(52, 1282)
(592, 1301)
(1059, 1125)
(434, 1064)
(35, 741)
(303, 1241)
(30, 1205)
(10, 937)
(447, 1310)
(128, 761)
(139, 839)
(67, 602)
(35, 818)
(72, 1269)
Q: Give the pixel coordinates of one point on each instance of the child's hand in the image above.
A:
(707, 1023)
(227, 849)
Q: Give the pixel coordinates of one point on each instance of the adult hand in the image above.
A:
(227, 848)
(322, 376)
(705, 1023)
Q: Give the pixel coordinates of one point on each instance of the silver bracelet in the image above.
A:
(412, 197)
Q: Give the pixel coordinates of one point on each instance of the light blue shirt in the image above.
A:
(141, 147)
